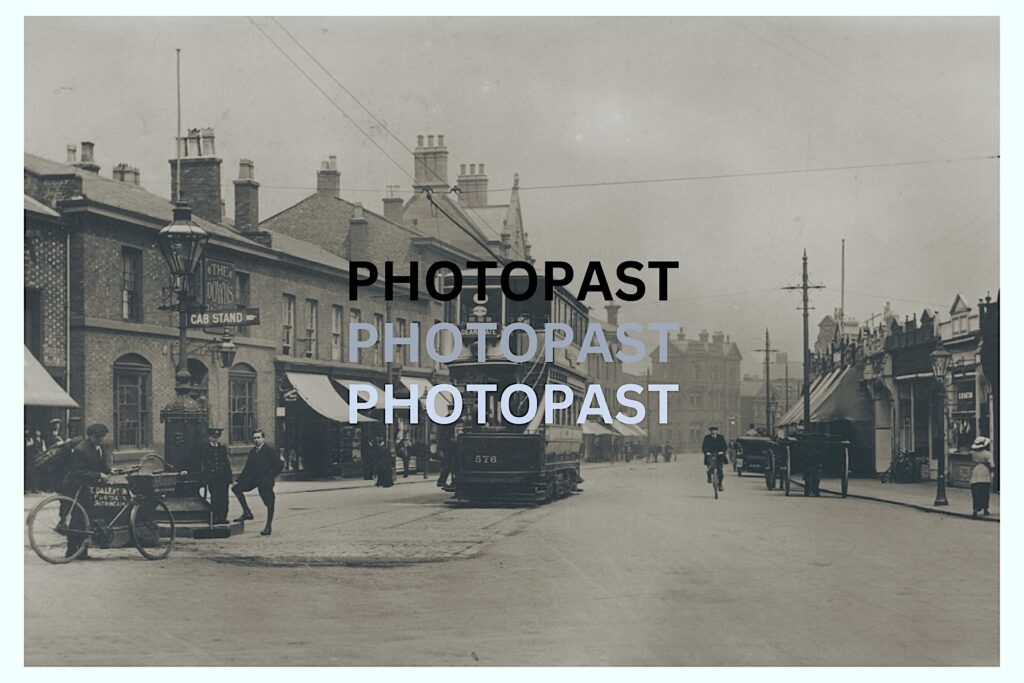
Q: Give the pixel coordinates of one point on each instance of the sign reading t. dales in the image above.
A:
(246, 316)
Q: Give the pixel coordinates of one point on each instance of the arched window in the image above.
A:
(241, 403)
(132, 401)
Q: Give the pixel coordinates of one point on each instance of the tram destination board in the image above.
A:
(246, 316)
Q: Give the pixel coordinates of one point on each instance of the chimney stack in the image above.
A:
(358, 234)
(718, 338)
(703, 336)
(613, 313)
(88, 163)
(200, 174)
(126, 174)
(328, 178)
(472, 186)
(247, 198)
(431, 164)
(72, 154)
(393, 205)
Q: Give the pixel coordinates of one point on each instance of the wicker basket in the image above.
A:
(158, 483)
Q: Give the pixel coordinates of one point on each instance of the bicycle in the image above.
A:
(141, 519)
(714, 460)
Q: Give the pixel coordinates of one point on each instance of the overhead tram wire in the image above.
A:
(365, 134)
(380, 123)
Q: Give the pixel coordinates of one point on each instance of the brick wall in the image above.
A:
(200, 186)
(46, 270)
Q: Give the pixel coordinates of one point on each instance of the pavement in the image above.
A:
(918, 495)
(644, 568)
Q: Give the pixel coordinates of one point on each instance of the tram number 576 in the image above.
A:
(486, 459)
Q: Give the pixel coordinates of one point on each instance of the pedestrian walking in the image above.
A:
(216, 469)
(368, 455)
(85, 465)
(405, 453)
(981, 475)
(447, 454)
(33, 446)
(385, 464)
(55, 435)
(261, 469)
(667, 450)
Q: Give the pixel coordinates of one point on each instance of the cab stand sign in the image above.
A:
(221, 305)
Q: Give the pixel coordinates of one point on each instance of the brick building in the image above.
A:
(707, 370)
(46, 304)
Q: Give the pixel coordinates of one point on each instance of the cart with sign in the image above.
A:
(114, 514)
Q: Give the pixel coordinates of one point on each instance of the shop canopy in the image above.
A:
(347, 385)
(594, 429)
(41, 389)
(628, 431)
(320, 395)
(442, 400)
(835, 396)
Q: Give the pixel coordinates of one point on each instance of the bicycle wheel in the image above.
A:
(714, 481)
(50, 523)
(152, 528)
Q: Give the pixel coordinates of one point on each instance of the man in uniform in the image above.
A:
(714, 448)
(261, 468)
(216, 468)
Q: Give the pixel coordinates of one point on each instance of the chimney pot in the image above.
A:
(462, 169)
(72, 154)
(419, 140)
(328, 178)
(87, 148)
(481, 169)
(472, 169)
(440, 141)
(430, 141)
(246, 169)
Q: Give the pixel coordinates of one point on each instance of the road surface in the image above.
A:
(643, 568)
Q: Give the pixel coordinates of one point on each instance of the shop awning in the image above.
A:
(442, 401)
(41, 389)
(637, 431)
(834, 396)
(347, 384)
(320, 395)
(595, 429)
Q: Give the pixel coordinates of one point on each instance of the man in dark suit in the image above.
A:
(714, 449)
(216, 468)
(85, 465)
(261, 468)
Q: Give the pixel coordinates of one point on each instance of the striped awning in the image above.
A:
(320, 395)
(41, 389)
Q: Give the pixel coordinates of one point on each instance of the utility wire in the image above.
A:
(380, 123)
(845, 85)
(678, 179)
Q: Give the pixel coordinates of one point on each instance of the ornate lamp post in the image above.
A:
(182, 243)
(940, 364)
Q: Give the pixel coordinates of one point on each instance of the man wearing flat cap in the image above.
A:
(216, 468)
(714, 449)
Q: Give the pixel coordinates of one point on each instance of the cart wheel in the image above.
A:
(152, 528)
(846, 471)
(50, 523)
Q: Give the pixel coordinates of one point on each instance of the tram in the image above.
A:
(502, 462)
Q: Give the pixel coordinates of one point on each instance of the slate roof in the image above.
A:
(40, 208)
(134, 199)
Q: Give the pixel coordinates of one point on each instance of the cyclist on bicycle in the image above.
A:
(714, 446)
(85, 465)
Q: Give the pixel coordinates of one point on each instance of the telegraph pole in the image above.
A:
(804, 286)
(767, 383)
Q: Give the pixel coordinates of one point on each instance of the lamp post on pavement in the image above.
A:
(182, 243)
(940, 364)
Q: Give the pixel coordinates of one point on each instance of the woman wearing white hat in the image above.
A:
(981, 475)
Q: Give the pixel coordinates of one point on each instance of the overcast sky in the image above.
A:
(570, 101)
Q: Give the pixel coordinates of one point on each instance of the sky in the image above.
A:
(765, 136)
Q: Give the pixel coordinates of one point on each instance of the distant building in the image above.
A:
(707, 370)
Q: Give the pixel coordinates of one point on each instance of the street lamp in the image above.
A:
(182, 243)
(940, 363)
